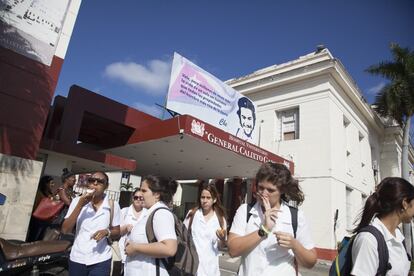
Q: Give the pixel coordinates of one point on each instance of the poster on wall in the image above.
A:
(32, 28)
(196, 92)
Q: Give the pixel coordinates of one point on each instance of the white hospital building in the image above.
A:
(311, 111)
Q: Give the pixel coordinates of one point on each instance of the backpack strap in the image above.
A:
(249, 207)
(294, 221)
(408, 255)
(383, 255)
(149, 230)
(294, 217)
(192, 214)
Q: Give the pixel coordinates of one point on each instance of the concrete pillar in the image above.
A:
(54, 166)
(19, 179)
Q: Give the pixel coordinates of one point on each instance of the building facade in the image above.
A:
(311, 111)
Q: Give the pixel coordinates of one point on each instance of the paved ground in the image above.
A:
(229, 267)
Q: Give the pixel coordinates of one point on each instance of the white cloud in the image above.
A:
(153, 77)
(375, 89)
(153, 110)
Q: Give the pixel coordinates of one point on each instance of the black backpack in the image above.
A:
(185, 260)
(342, 265)
(293, 213)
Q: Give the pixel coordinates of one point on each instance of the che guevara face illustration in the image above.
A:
(247, 116)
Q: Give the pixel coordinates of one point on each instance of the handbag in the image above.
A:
(48, 208)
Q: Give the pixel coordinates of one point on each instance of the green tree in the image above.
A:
(127, 186)
(396, 100)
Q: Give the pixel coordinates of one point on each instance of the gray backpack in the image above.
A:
(185, 261)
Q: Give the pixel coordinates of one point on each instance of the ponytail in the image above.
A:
(370, 209)
(387, 198)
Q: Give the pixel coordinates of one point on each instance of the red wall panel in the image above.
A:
(26, 91)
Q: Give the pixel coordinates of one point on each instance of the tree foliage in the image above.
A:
(396, 99)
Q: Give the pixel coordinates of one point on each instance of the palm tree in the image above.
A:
(127, 186)
(396, 100)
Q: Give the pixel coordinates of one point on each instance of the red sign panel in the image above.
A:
(212, 135)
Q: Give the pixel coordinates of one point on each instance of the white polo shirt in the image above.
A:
(206, 242)
(365, 252)
(164, 229)
(268, 258)
(86, 250)
(128, 217)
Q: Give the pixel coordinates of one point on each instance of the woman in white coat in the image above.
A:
(130, 216)
(265, 238)
(141, 255)
(389, 206)
(207, 224)
(90, 213)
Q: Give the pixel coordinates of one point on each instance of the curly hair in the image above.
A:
(280, 176)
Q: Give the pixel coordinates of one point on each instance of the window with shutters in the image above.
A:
(288, 124)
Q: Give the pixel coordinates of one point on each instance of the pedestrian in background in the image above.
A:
(390, 205)
(37, 227)
(130, 216)
(207, 223)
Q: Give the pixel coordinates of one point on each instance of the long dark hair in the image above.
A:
(280, 176)
(44, 185)
(217, 206)
(387, 198)
(166, 187)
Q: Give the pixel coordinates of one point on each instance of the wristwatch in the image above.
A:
(262, 233)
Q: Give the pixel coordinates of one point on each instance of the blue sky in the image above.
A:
(123, 49)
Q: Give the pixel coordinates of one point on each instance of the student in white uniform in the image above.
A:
(141, 255)
(266, 241)
(91, 254)
(129, 217)
(391, 204)
(207, 224)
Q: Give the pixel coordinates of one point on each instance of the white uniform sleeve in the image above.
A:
(365, 255)
(239, 224)
(72, 206)
(303, 233)
(116, 219)
(124, 212)
(164, 225)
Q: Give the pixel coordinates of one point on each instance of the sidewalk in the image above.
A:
(229, 266)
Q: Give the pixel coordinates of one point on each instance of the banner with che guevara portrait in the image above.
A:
(196, 92)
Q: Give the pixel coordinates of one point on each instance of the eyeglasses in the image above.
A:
(138, 198)
(93, 180)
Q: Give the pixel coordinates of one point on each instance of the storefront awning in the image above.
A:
(187, 148)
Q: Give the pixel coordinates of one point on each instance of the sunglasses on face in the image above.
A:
(93, 180)
(138, 198)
